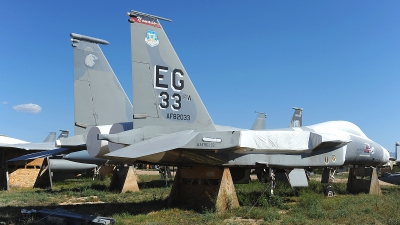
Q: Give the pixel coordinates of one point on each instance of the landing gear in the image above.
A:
(328, 177)
(329, 191)
(264, 176)
(272, 180)
(332, 176)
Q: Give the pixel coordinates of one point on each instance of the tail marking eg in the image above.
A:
(162, 89)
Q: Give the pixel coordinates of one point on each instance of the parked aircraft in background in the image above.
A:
(389, 177)
(56, 165)
(260, 122)
(47, 144)
(297, 118)
(173, 127)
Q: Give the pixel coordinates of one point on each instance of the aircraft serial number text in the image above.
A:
(174, 116)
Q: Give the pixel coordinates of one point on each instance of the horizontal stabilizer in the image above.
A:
(155, 145)
(41, 154)
(75, 142)
(41, 146)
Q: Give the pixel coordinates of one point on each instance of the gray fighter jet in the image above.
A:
(47, 144)
(56, 165)
(173, 127)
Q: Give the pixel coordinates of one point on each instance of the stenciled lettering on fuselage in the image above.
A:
(174, 104)
(205, 145)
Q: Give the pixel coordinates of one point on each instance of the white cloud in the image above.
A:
(5, 103)
(28, 108)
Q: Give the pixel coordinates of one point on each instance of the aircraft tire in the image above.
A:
(262, 177)
(329, 192)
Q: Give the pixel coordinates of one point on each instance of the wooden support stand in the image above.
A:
(44, 177)
(204, 187)
(124, 179)
(363, 180)
(3, 171)
(35, 174)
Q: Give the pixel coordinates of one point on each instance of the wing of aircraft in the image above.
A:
(4, 140)
(172, 125)
(47, 144)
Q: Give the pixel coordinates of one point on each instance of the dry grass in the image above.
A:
(149, 206)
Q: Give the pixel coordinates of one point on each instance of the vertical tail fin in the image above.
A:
(51, 137)
(297, 118)
(64, 134)
(98, 96)
(163, 93)
(260, 122)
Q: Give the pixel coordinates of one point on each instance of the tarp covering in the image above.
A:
(287, 140)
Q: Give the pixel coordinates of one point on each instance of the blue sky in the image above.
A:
(339, 60)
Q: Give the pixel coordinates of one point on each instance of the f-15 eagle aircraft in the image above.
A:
(47, 144)
(56, 165)
(172, 125)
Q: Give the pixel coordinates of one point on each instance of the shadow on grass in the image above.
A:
(106, 187)
(156, 184)
(11, 214)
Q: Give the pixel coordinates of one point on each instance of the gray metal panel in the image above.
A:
(144, 87)
(298, 178)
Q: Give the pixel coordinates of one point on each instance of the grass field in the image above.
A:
(149, 206)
